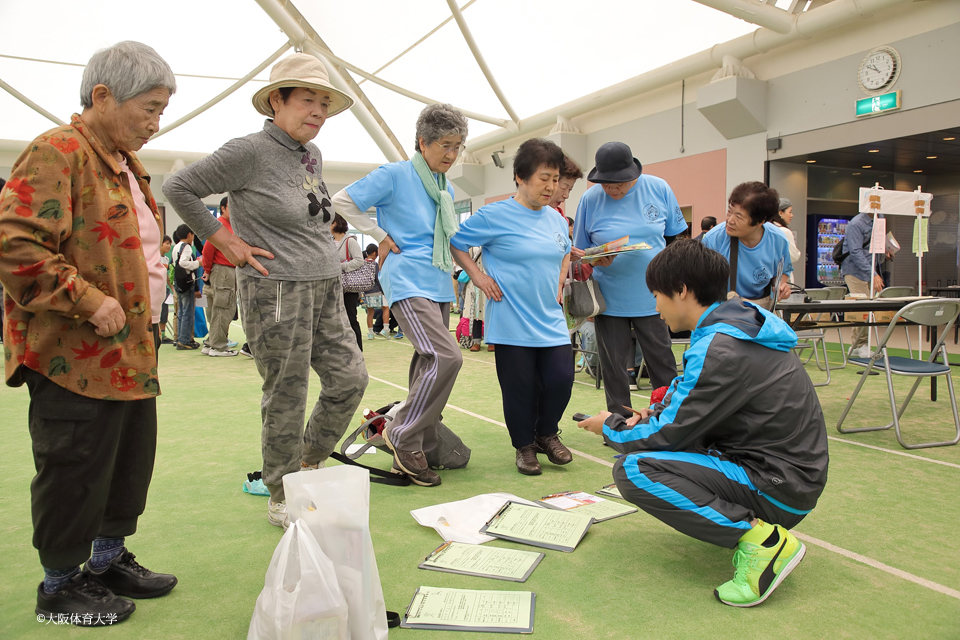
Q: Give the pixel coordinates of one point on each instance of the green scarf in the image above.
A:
(446, 224)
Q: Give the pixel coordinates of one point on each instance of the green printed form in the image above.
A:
(464, 609)
(611, 490)
(584, 503)
(490, 562)
(539, 526)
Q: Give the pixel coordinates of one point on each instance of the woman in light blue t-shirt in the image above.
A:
(526, 250)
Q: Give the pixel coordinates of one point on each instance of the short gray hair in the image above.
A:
(439, 120)
(128, 69)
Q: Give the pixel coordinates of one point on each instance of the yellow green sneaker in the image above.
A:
(765, 556)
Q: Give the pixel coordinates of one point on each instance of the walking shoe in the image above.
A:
(226, 353)
(413, 463)
(277, 513)
(310, 467)
(490, 347)
(85, 602)
(167, 340)
(551, 445)
(194, 344)
(185, 347)
(527, 462)
(860, 352)
(369, 335)
(127, 577)
(245, 350)
(231, 344)
(765, 556)
(475, 347)
(428, 478)
(398, 335)
(205, 350)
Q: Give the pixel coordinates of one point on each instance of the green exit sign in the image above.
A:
(878, 104)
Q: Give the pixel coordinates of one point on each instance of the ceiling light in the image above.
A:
(811, 161)
(867, 166)
(874, 151)
(918, 170)
(856, 173)
(948, 139)
(931, 157)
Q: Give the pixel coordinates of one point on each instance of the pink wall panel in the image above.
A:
(699, 181)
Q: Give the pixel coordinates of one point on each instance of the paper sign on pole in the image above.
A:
(920, 236)
(878, 241)
(894, 202)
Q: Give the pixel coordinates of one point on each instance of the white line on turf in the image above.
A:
(923, 582)
(899, 573)
(496, 422)
(898, 453)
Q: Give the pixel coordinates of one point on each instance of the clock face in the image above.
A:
(879, 69)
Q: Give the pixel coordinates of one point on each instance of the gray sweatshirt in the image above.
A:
(272, 180)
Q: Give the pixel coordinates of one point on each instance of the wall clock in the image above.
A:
(879, 70)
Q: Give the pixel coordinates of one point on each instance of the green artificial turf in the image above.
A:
(631, 577)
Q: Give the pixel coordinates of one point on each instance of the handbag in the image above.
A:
(585, 299)
(358, 280)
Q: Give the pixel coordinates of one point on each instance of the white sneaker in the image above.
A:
(206, 350)
(226, 353)
(861, 352)
(277, 514)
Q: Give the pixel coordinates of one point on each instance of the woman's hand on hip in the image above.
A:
(489, 287)
(237, 251)
(386, 246)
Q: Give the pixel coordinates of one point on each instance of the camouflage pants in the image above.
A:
(292, 327)
(221, 305)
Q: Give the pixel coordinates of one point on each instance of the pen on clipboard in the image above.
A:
(498, 513)
(438, 550)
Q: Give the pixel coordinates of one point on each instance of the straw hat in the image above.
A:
(301, 70)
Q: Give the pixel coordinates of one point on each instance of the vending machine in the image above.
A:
(823, 234)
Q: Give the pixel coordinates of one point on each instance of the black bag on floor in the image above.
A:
(450, 452)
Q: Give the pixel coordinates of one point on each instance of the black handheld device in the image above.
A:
(580, 417)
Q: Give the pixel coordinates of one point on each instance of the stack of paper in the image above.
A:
(485, 562)
(558, 530)
(580, 502)
(469, 610)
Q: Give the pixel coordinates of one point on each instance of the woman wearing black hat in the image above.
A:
(624, 202)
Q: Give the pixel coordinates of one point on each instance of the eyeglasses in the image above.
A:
(447, 148)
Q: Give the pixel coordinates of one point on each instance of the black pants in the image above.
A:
(476, 330)
(535, 383)
(617, 355)
(94, 461)
(350, 301)
(703, 496)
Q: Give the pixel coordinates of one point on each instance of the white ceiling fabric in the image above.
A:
(542, 55)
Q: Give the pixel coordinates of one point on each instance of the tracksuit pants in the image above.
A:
(616, 356)
(701, 495)
(433, 371)
(293, 327)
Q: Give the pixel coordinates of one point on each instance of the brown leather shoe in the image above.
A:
(490, 347)
(556, 452)
(475, 347)
(527, 462)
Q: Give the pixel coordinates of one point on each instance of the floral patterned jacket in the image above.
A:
(69, 236)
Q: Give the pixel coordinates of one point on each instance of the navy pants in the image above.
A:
(535, 383)
(701, 495)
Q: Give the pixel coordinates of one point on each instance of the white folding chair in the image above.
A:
(929, 313)
(811, 338)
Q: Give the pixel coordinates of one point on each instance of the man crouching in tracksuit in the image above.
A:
(736, 454)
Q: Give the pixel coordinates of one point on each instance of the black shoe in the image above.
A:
(245, 350)
(527, 462)
(168, 341)
(194, 344)
(127, 577)
(83, 601)
(186, 347)
(551, 445)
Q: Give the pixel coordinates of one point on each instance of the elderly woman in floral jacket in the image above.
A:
(83, 288)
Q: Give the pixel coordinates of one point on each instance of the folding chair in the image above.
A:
(929, 313)
(593, 371)
(896, 292)
(813, 337)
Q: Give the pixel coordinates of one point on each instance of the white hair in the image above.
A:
(128, 69)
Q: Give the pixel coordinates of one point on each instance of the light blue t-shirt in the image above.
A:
(647, 213)
(522, 251)
(756, 266)
(408, 215)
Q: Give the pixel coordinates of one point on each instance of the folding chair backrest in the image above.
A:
(895, 292)
(931, 313)
(818, 294)
(836, 293)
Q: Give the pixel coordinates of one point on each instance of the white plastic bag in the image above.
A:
(301, 598)
(334, 503)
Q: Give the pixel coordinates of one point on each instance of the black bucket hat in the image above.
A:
(615, 163)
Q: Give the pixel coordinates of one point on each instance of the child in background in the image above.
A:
(373, 299)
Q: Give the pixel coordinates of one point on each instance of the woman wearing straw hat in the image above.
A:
(288, 270)
(415, 220)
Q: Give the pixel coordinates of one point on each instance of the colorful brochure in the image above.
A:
(599, 509)
(539, 527)
(485, 562)
(469, 610)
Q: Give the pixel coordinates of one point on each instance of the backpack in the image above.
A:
(183, 280)
(839, 255)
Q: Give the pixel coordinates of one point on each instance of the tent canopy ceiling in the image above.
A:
(541, 55)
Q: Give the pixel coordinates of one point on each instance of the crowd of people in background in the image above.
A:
(274, 258)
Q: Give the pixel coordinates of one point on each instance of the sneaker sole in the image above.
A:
(790, 566)
(396, 460)
(420, 483)
(146, 596)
